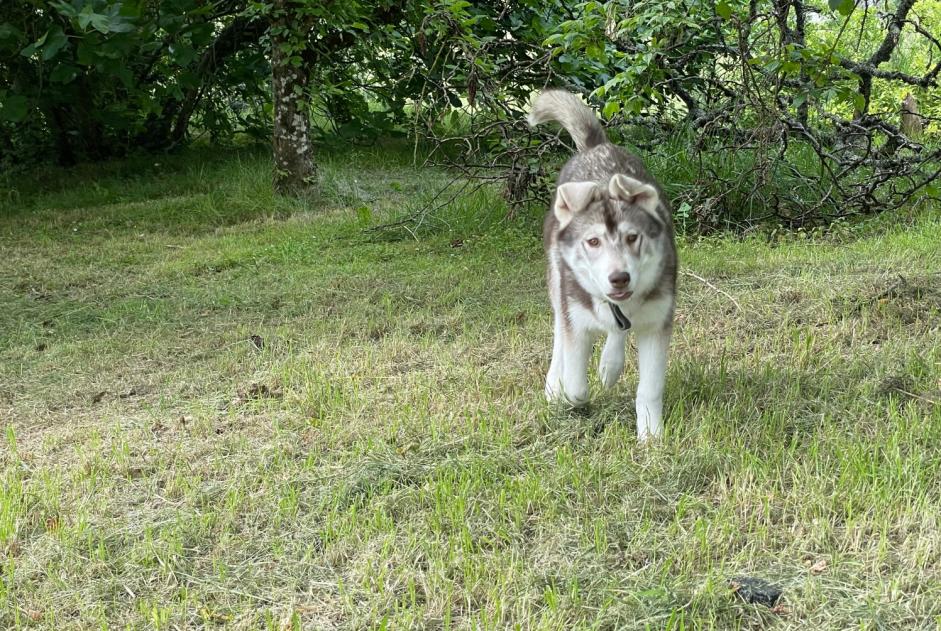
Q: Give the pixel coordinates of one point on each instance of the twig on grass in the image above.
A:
(414, 220)
(919, 397)
(714, 288)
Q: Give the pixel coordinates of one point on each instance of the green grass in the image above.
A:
(386, 459)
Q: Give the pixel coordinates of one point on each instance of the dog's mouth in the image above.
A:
(617, 296)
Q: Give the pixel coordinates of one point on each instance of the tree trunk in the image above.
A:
(65, 153)
(294, 168)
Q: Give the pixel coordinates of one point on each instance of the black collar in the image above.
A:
(619, 318)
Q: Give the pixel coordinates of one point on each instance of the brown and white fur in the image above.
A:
(609, 239)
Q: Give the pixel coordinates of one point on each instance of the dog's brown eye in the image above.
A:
(594, 242)
(631, 238)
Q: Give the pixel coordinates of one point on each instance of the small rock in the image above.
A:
(756, 590)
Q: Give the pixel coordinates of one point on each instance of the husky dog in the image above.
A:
(612, 263)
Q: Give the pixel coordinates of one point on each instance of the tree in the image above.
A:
(294, 167)
(772, 110)
(782, 109)
(307, 38)
(90, 79)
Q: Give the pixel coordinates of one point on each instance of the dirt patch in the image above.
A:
(435, 329)
(909, 299)
(255, 392)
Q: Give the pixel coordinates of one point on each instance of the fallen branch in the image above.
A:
(713, 287)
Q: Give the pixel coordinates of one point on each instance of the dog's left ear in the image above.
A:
(632, 191)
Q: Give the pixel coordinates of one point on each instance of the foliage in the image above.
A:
(96, 78)
(806, 93)
(789, 110)
(810, 92)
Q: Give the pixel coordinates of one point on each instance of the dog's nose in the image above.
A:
(619, 280)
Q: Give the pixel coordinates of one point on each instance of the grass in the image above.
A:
(379, 455)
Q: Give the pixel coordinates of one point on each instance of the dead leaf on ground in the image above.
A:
(133, 392)
(819, 567)
(254, 392)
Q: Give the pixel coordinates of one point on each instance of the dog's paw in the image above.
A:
(649, 437)
(610, 372)
(649, 420)
(557, 395)
(576, 396)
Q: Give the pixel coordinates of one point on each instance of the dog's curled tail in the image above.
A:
(569, 111)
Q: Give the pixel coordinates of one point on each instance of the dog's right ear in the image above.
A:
(571, 198)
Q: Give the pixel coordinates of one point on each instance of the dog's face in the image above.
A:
(609, 236)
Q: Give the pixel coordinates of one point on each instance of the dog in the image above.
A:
(612, 264)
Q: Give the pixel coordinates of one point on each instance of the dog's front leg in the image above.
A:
(576, 351)
(612, 359)
(554, 376)
(652, 347)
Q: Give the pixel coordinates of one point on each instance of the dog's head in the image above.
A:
(610, 235)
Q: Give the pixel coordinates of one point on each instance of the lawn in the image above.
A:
(223, 409)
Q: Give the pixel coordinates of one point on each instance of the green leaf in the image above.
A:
(30, 50)
(9, 34)
(56, 40)
(845, 7)
(120, 25)
(65, 9)
(611, 108)
(14, 108)
(723, 10)
(182, 53)
(364, 214)
(88, 49)
(124, 74)
(101, 23)
(85, 17)
(64, 73)
(859, 101)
